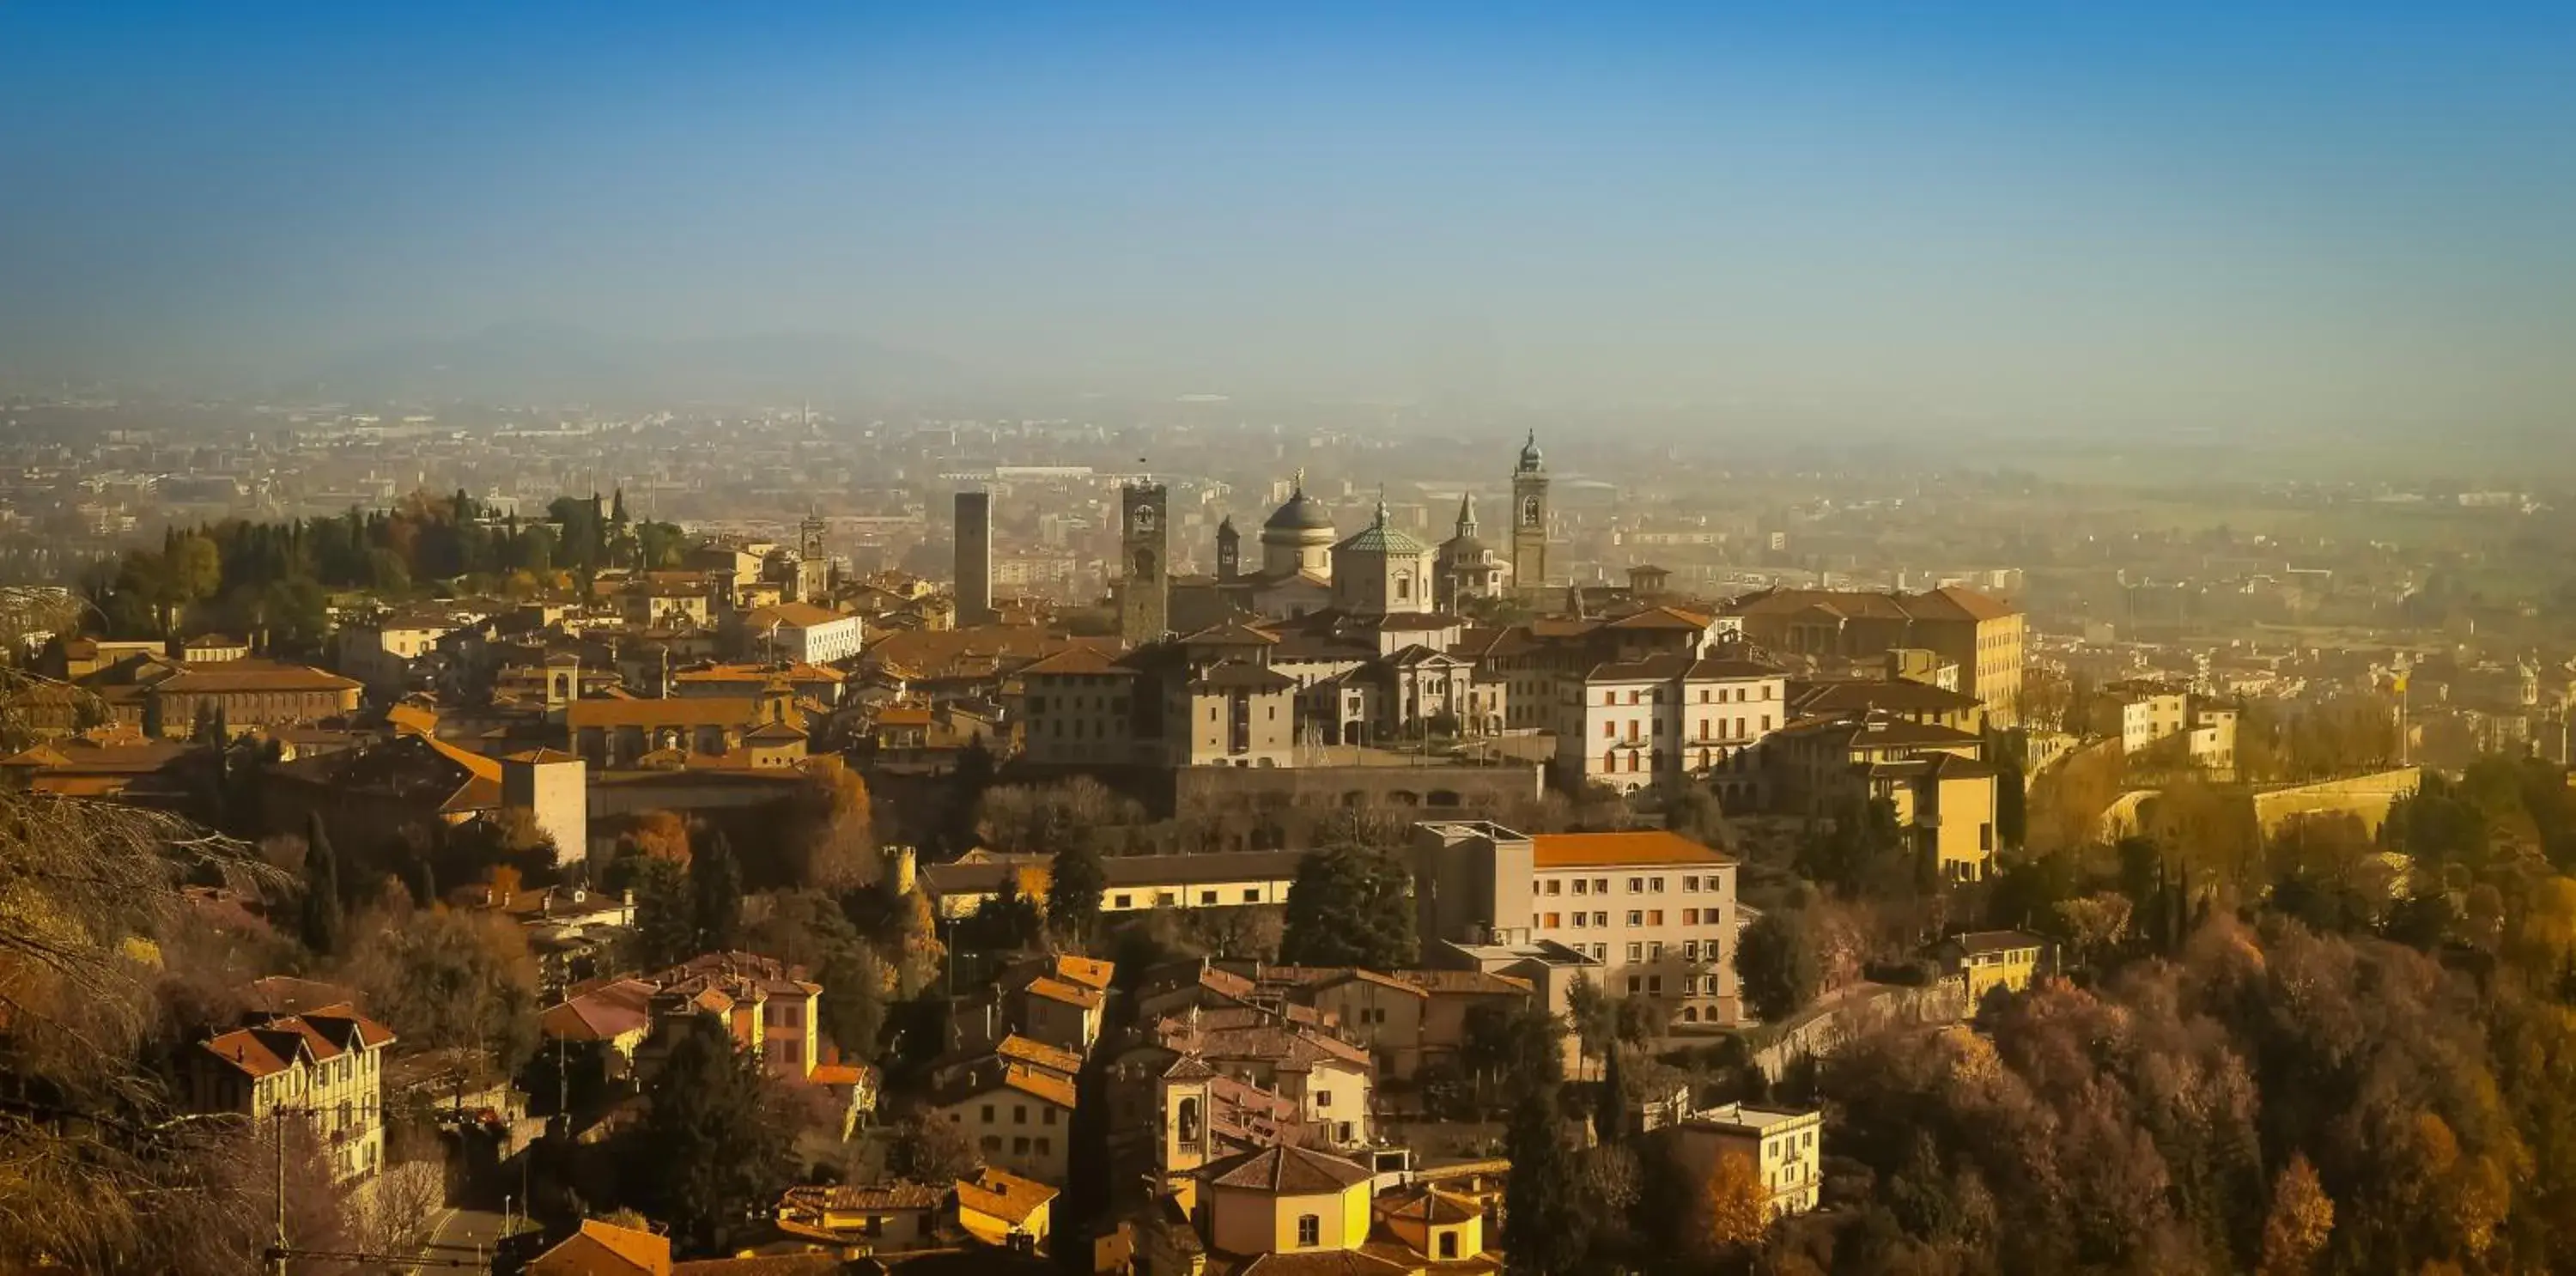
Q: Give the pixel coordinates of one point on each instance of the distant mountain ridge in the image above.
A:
(534, 362)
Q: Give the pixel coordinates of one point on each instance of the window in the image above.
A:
(1985, 837)
(1251, 894)
(1310, 1230)
(1344, 1133)
(1690, 917)
(1046, 1146)
(1636, 952)
(1049, 1113)
(1019, 1114)
(1600, 886)
(1690, 950)
(1654, 950)
(1636, 917)
(1323, 1098)
(1020, 1146)
(1654, 917)
(1636, 985)
(1654, 983)
(1609, 730)
(1552, 922)
(1579, 922)
(1120, 901)
(1449, 1244)
(1601, 952)
(1207, 897)
(1689, 884)
(1636, 886)
(1654, 886)
(990, 1143)
(1601, 920)
(988, 1114)
(1580, 886)
(1555, 886)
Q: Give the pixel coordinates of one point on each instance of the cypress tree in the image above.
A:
(715, 882)
(321, 917)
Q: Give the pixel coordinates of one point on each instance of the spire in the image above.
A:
(1381, 504)
(1467, 514)
(1297, 485)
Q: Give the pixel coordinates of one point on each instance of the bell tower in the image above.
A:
(1144, 599)
(1529, 519)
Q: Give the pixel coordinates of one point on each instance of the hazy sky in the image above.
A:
(2212, 215)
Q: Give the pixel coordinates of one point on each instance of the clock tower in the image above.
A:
(1144, 596)
(1529, 519)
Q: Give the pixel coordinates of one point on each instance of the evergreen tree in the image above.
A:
(155, 725)
(1543, 1227)
(1074, 888)
(1779, 963)
(666, 914)
(202, 731)
(715, 1147)
(321, 916)
(715, 883)
(1350, 906)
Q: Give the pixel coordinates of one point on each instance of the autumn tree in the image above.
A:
(2302, 1219)
(1734, 1206)
(451, 979)
(832, 832)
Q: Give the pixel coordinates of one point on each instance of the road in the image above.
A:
(455, 1234)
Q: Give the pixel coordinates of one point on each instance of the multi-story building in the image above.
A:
(801, 632)
(1785, 1145)
(1665, 718)
(1017, 1116)
(324, 1066)
(1656, 910)
(1982, 636)
(245, 693)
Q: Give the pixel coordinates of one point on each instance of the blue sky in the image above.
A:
(2203, 215)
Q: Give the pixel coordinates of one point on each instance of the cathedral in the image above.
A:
(1306, 566)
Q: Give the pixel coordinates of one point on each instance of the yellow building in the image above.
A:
(1437, 1225)
(1980, 635)
(1991, 959)
(1948, 803)
(1785, 1145)
(1286, 1200)
(1018, 1117)
(1002, 1209)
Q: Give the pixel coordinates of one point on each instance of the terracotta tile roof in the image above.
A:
(1288, 1171)
(1090, 972)
(605, 1249)
(1325, 1262)
(1003, 1195)
(235, 676)
(678, 712)
(1079, 660)
(1057, 990)
(1427, 1205)
(1464, 982)
(758, 673)
(1039, 1054)
(1616, 850)
(792, 615)
(852, 1198)
(601, 1014)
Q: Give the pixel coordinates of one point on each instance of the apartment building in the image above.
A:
(1654, 909)
(801, 632)
(1784, 1144)
(325, 1066)
(1666, 718)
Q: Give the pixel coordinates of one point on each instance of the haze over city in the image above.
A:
(2045, 217)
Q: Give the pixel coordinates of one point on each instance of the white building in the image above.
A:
(1666, 718)
(1785, 1145)
(802, 632)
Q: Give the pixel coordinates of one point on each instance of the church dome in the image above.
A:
(1301, 513)
(1530, 457)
